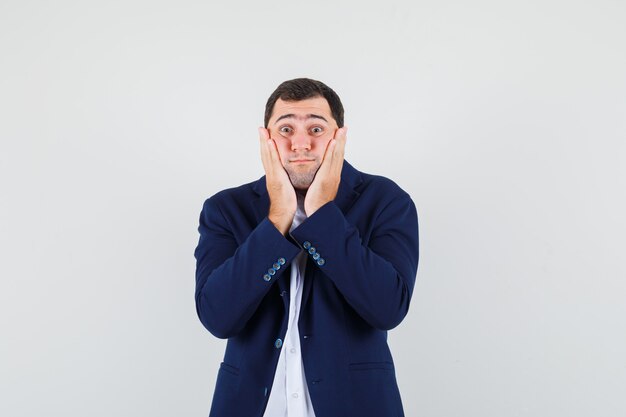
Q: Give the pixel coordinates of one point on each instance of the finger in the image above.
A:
(338, 150)
(328, 155)
(336, 147)
(269, 149)
(341, 133)
(274, 155)
(265, 151)
(264, 133)
(341, 137)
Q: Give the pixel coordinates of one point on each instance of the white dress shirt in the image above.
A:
(289, 396)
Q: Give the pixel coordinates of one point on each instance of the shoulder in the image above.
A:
(238, 195)
(382, 183)
(382, 187)
(380, 197)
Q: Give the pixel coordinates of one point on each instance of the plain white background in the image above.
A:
(505, 121)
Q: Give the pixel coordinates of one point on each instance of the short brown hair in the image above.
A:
(301, 89)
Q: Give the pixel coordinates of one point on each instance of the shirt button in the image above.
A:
(293, 350)
(278, 343)
(306, 244)
(294, 395)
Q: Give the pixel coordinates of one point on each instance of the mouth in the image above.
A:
(301, 161)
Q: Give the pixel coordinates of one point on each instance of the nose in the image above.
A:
(300, 141)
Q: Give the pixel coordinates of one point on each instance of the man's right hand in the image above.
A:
(283, 202)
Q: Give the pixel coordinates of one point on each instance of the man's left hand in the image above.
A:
(326, 182)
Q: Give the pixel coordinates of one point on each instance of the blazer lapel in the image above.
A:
(260, 204)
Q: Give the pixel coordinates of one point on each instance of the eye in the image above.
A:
(317, 129)
(285, 129)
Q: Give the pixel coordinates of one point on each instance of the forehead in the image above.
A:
(315, 105)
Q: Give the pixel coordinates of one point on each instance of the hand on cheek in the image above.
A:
(282, 195)
(326, 183)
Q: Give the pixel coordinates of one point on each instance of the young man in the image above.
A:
(305, 270)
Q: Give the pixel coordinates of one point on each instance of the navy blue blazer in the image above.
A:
(360, 272)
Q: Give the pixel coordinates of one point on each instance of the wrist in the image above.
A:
(281, 222)
(313, 206)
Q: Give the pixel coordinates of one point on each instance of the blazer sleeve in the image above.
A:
(376, 279)
(232, 278)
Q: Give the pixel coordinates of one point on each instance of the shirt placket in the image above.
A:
(295, 395)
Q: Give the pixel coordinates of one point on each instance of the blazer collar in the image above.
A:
(346, 194)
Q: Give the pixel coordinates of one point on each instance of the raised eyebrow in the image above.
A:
(316, 116)
(308, 116)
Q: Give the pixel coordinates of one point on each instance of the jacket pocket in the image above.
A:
(229, 368)
(226, 394)
(364, 366)
(227, 382)
(373, 390)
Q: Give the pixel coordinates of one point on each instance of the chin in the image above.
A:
(300, 180)
(301, 187)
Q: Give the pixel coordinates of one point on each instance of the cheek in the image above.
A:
(321, 143)
(283, 147)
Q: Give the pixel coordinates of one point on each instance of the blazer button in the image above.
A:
(306, 244)
(278, 343)
(276, 266)
(316, 256)
(281, 261)
(271, 271)
(321, 261)
(312, 250)
(267, 277)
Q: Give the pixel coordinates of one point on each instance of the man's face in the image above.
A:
(302, 130)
